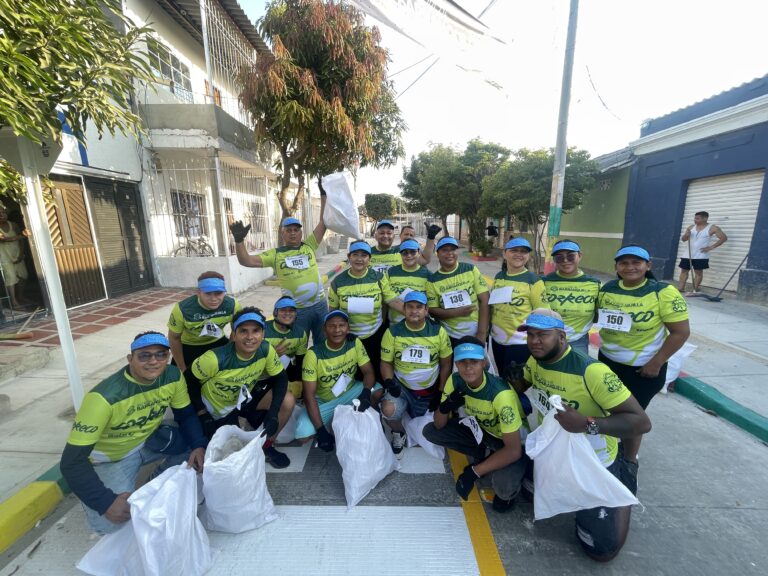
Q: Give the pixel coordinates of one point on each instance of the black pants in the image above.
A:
(372, 346)
(504, 355)
(643, 389)
(192, 353)
(248, 411)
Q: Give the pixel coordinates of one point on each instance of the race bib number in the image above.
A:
(501, 295)
(471, 423)
(300, 262)
(341, 384)
(404, 293)
(456, 299)
(244, 397)
(539, 400)
(614, 320)
(212, 330)
(381, 268)
(285, 361)
(360, 305)
(416, 355)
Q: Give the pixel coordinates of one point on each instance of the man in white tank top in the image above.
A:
(700, 235)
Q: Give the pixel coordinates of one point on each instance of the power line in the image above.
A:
(411, 66)
(490, 5)
(594, 88)
(418, 78)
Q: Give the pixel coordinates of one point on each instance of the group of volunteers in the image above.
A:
(400, 339)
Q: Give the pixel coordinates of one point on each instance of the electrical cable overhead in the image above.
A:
(411, 66)
(418, 78)
(598, 95)
(490, 5)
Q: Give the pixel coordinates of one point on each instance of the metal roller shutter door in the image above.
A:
(732, 203)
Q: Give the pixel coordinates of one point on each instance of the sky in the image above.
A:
(633, 61)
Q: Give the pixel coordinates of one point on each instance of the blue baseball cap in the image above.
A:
(468, 351)
(543, 319)
(566, 245)
(285, 302)
(447, 241)
(518, 243)
(291, 221)
(633, 251)
(332, 313)
(359, 245)
(415, 296)
(211, 285)
(410, 245)
(151, 339)
(249, 317)
(385, 223)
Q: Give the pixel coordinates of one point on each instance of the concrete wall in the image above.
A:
(182, 272)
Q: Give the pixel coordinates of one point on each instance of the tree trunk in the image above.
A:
(444, 220)
(476, 227)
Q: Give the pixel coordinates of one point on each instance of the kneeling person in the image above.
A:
(226, 383)
(289, 340)
(118, 429)
(492, 425)
(415, 363)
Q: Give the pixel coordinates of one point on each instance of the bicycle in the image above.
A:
(194, 247)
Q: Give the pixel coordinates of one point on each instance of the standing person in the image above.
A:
(401, 280)
(700, 235)
(330, 374)
(492, 232)
(119, 429)
(642, 323)
(516, 292)
(12, 257)
(197, 323)
(384, 255)
(295, 265)
(289, 340)
(415, 363)
(491, 427)
(457, 294)
(358, 293)
(243, 379)
(597, 404)
(572, 294)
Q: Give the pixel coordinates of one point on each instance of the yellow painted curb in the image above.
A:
(20, 512)
(486, 552)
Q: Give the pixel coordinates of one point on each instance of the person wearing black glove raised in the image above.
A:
(243, 378)
(489, 434)
(415, 363)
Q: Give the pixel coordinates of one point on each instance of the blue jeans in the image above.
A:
(407, 401)
(311, 320)
(304, 426)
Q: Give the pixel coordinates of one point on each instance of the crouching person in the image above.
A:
(244, 378)
(330, 379)
(118, 429)
(489, 434)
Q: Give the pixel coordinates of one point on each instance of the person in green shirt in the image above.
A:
(384, 255)
(572, 294)
(597, 404)
(400, 280)
(336, 371)
(642, 323)
(515, 292)
(197, 323)
(457, 294)
(415, 363)
(244, 379)
(295, 265)
(489, 433)
(289, 340)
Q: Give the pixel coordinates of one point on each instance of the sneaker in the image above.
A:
(275, 458)
(398, 443)
(629, 476)
(501, 505)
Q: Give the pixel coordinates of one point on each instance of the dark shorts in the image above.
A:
(643, 389)
(698, 263)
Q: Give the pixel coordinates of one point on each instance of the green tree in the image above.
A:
(379, 206)
(78, 59)
(322, 98)
(522, 186)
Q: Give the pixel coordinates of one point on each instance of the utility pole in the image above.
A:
(561, 146)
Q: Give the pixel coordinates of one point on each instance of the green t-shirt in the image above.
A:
(326, 366)
(396, 280)
(223, 374)
(297, 272)
(589, 386)
(382, 260)
(415, 354)
(575, 299)
(119, 414)
(348, 292)
(444, 289)
(199, 325)
(527, 294)
(649, 305)
(494, 404)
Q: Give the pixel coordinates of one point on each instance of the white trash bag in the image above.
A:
(567, 474)
(362, 449)
(414, 429)
(340, 214)
(235, 483)
(288, 433)
(115, 554)
(675, 364)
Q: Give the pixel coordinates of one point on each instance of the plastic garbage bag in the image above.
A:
(567, 474)
(675, 363)
(362, 449)
(414, 428)
(115, 554)
(340, 214)
(235, 483)
(288, 433)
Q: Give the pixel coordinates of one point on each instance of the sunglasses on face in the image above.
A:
(560, 258)
(147, 356)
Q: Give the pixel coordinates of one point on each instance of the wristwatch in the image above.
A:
(592, 427)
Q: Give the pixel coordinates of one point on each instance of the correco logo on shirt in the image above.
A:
(154, 414)
(569, 299)
(226, 388)
(638, 317)
(80, 427)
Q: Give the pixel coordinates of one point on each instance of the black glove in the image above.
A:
(465, 482)
(365, 400)
(270, 424)
(452, 403)
(208, 424)
(325, 440)
(239, 232)
(434, 402)
(392, 386)
(432, 230)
